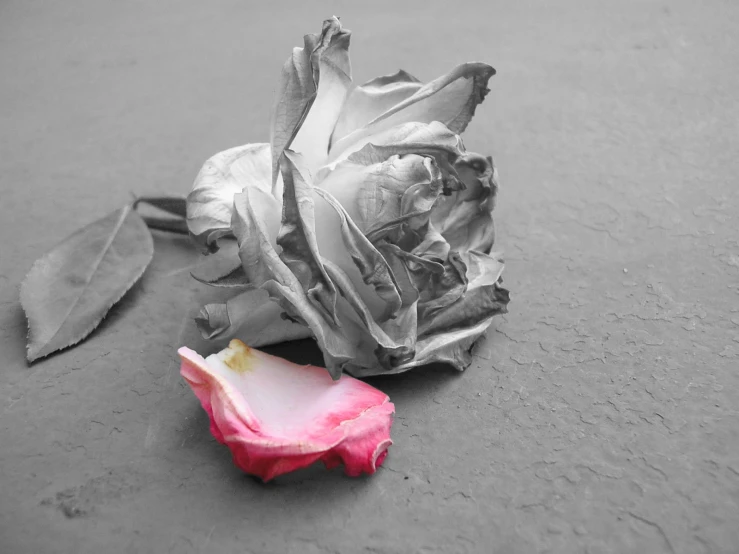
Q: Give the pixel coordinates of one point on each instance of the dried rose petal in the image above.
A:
(277, 416)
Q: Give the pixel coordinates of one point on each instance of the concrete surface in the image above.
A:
(600, 414)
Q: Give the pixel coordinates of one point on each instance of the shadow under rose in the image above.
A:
(416, 382)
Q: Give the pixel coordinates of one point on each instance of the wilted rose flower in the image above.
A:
(276, 416)
(363, 223)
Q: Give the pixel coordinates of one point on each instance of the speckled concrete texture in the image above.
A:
(600, 414)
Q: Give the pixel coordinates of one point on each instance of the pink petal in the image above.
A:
(277, 416)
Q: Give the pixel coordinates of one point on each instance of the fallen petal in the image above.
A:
(276, 416)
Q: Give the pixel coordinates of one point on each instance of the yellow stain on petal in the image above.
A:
(238, 357)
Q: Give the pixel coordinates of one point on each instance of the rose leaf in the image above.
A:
(69, 290)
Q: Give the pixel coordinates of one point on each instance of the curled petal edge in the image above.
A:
(450, 99)
(314, 78)
(209, 205)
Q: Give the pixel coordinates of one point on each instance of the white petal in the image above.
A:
(372, 99)
(313, 86)
(450, 99)
(210, 203)
(312, 140)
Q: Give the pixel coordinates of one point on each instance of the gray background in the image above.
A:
(600, 414)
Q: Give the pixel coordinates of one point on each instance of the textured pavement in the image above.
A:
(600, 414)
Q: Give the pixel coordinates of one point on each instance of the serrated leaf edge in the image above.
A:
(94, 324)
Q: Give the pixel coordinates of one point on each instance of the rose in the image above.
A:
(364, 220)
